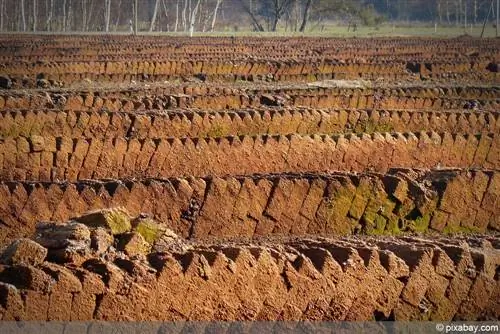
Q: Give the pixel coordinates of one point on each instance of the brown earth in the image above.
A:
(149, 178)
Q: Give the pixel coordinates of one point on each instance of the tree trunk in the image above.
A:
(34, 15)
(498, 20)
(107, 14)
(166, 13)
(136, 27)
(249, 10)
(89, 15)
(214, 16)
(193, 18)
(64, 15)
(50, 10)
(176, 16)
(439, 13)
(1, 14)
(153, 20)
(184, 24)
(71, 14)
(475, 12)
(118, 16)
(465, 15)
(274, 24)
(84, 15)
(448, 12)
(23, 15)
(305, 16)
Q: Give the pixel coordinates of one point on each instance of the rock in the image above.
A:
(24, 251)
(100, 240)
(133, 244)
(149, 229)
(37, 143)
(53, 236)
(116, 220)
(5, 82)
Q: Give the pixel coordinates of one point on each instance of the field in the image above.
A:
(231, 178)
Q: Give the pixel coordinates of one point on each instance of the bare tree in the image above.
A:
(155, 12)
(193, 18)
(438, 10)
(250, 11)
(34, 15)
(214, 15)
(305, 15)
(184, 24)
(107, 14)
(166, 13)
(84, 15)
(23, 15)
(176, 16)
(2, 13)
(64, 15)
(135, 18)
(119, 11)
(278, 9)
(71, 14)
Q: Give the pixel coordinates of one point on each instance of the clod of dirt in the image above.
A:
(54, 236)
(24, 251)
(100, 240)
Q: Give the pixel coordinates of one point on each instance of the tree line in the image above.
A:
(209, 15)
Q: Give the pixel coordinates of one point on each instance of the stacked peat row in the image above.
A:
(98, 48)
(101, 266)
(232, 184)
(207, 98)
(75, 72)
(401, 201)
(194, 123)
(62, 158)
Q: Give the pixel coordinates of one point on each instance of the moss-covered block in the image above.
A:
(392, 225)
(133, 244)
(150, 230)
(115, 220)
(374, 224)
(460, 229)
(405, 207)
(421, 224)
